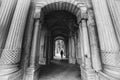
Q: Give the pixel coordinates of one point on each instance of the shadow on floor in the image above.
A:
(59, 70)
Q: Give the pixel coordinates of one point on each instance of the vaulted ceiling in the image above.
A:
(60, 18)
(60, 23)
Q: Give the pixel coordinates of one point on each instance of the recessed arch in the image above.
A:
(61, 6)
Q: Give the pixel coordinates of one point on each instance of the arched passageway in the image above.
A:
(60, 23)
(89, 29)
(65, 19)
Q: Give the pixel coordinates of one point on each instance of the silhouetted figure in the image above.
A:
(61, 53)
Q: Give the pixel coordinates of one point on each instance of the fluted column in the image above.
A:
(114, 9)
(12, 51)
(108, 42)
(7, 8)
(34, 44)
(95, 53)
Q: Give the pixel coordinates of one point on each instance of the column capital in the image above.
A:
(37, 12)
(91, 17)
(85, 19)
(90, 12)
(84, 12)
(89, 5)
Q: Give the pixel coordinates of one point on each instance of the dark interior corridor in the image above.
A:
(59, 25)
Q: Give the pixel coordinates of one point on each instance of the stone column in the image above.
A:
(114, 9)
(79, 57)
(67, 49)
(45, 50)
(73, 49)
(33, 66)
(34, 44)
(81, 46)
(87, 73)
(86, 44)
(96, 62)
(108, 42)
(28, 36)
(53, 47)
(11, 54)
(49, 49)
(42, 60)
(7, 8)
(77, 48)
(70, 50)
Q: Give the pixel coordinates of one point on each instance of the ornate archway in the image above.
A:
(98, 37)
(79, 10)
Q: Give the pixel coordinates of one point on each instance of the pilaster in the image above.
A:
(34, 44)
(86, 44)
(32, 66)
(95, 53)
(87, 71)
(42, 60)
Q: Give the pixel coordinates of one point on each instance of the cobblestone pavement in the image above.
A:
(60, 70)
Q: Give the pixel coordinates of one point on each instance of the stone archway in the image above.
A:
(18, 37)
(90, 42)
(84, 56)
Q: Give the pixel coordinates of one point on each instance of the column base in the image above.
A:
(72, 60)
(112, 71)
(30, 75)
(79, 60)
(10, 72)
(104, 76)
(42, 61)
(88, 74)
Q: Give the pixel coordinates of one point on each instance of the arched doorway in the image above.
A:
(59, 46)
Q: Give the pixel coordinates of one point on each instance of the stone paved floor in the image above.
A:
(60, 70)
